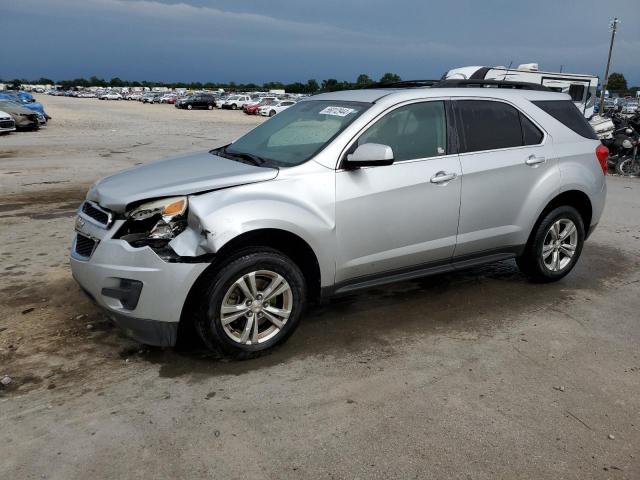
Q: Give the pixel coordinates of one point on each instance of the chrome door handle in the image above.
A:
(443, 177)
(533, 160)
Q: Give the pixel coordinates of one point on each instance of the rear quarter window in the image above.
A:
(568, 114)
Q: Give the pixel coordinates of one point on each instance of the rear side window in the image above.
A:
(531, 135)
(568, 114)
(487, 125)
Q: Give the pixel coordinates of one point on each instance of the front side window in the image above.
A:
(297, 133)
(487, 125)
(418, 130)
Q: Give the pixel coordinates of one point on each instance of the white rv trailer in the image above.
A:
(581, 88)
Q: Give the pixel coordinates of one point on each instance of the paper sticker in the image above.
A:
(337, 111)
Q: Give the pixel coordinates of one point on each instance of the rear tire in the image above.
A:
(251, 303)
(554, 246)
(209, 107)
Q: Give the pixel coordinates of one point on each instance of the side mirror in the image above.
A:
(370, 155)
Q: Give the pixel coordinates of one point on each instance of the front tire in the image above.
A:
(189, 107)
(209, 107)
(252, 303)
(554, 247)
(234, 107)
(272, 113)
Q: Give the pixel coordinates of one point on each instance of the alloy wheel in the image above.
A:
(256, 307)
(559, 245)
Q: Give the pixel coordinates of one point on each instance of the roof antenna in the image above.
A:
(507, 72)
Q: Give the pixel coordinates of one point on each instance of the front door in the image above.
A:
(400, 216)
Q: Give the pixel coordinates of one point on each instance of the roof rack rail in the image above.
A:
(404, 84)
(490, 84)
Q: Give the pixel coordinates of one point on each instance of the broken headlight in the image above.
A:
(155, 223)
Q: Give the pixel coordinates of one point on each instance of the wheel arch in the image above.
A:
(573, 198)
(290, 244)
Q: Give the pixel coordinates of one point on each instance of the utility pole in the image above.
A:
(613, 26)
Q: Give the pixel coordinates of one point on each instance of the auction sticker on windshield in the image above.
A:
(337, 111)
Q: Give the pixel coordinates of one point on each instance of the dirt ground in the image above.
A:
(474, 375)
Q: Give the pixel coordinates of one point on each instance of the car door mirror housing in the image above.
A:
(370, 155)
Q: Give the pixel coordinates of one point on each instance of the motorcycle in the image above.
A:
(625, 151)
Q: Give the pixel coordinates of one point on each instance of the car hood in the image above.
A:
(179, 175)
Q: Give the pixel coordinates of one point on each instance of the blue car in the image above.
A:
(26, 100)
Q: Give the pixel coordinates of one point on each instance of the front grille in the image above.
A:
(7, 124)
(98, 214)
(85, 245)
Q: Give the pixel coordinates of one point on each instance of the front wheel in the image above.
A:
(234, 107)
(554, 247)
(253, 303)
(272, 113)
(209, 107)
(628, 167)
(189, 107)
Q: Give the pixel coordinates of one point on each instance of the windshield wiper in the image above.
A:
(247, 157)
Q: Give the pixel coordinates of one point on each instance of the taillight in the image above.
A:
(602, 153)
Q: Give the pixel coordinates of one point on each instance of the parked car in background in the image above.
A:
(111, 96)
(630, 107)
(234, 102)
(87, 94)
(169, 98)
(200, 100)
(25, 102)
(274, 109)
(133, 96)
(7, 123)
(252, 108)
(151, 97)
(25, 119)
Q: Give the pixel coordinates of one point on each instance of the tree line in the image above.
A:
(311, 86)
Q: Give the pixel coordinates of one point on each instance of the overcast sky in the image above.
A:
(295, 40)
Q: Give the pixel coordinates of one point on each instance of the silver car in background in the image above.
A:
(340, 192)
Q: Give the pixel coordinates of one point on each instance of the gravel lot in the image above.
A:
(474, 375)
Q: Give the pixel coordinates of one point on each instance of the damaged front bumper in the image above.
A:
(139, 291)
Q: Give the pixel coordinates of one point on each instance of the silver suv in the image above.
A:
(342, 191)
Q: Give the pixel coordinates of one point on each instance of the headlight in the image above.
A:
(155, 223)
(626, 143)
(167, 207)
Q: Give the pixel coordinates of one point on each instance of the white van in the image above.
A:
(581, 88)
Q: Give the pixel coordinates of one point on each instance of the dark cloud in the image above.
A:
(254, 40)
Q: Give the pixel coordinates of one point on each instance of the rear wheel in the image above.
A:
(209, 107)
(554, 247)
(252, 303)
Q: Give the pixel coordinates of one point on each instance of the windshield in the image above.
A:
(298, 133)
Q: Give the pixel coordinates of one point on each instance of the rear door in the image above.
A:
(507, 163)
